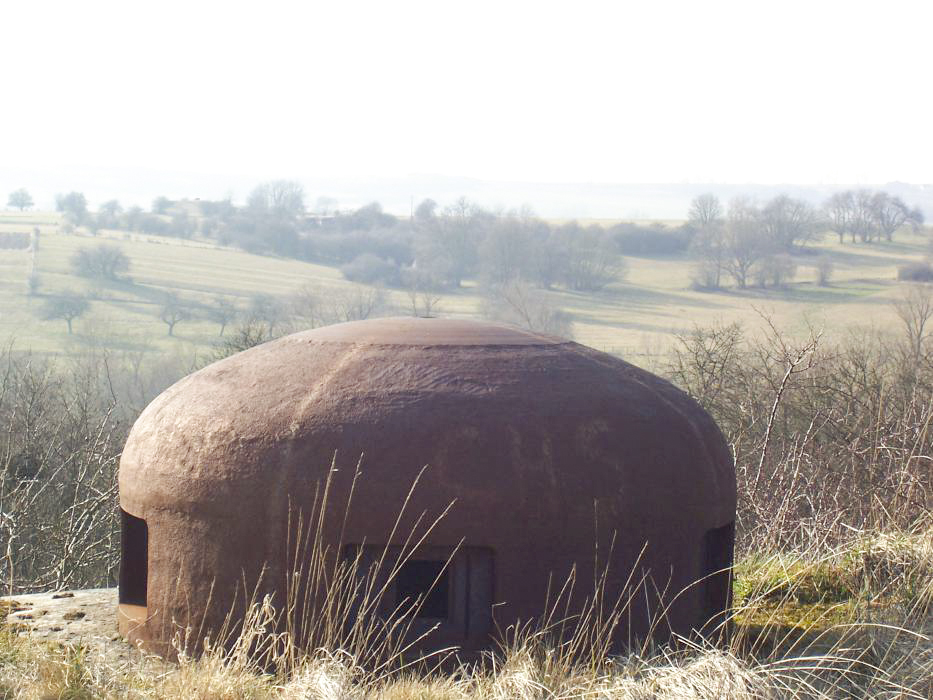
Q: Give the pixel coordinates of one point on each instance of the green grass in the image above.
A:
(637, 318)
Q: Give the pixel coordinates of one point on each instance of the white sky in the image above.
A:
(642, 91)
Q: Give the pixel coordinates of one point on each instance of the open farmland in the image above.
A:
(832, 585)
(637, 318)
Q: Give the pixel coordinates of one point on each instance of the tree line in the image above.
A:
(437, 248)
(752, 243)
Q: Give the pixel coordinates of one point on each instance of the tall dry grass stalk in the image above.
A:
(856, 624)
(826, 437)
(336, 607)
(833, 588)
(853, 623)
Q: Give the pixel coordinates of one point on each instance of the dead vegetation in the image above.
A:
(797, 632)
(833, 588)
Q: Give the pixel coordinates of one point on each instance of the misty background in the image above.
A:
(398, 195)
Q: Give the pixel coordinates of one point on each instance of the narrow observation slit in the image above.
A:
(427, 582)
(134, 559)
(719, 544)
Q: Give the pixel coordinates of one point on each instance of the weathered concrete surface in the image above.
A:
(79, 617)
(86, 618)
(65, 616)
(548, 449)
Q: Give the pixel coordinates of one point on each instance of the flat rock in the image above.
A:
(79, 617)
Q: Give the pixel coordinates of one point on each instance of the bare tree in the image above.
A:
(708, 248)
(280, 197)
(421, 290)
(269, 310)
(314, 306)
(173, 311)
(707, 244)
(789, 222)
(839, 211)
(356, 303)
(59, 444)
(824, 272)
(447, 246)
(506, 250)
(305, 305)
(223, 312)
(520, 304)
(890, 213)
(705, 210)
(863, 224)
(548, 257)
(108, 216)
(867, 215)
(915, 309)
(66, 307)
(592, 260)
(774, 270)
(247, 334)
(745, 242)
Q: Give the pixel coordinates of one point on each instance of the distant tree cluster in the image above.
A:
(519, 303)
(435, 249)
(866, 215)
(264, 317)
(749, 243)
(514, 256)
(166, 217)
(464, 241)
(752, 244)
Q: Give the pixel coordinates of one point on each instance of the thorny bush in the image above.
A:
(827, 438)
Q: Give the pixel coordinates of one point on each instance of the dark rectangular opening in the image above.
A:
(427, 581)
(454, 585)
(719, 545)
(134, 559)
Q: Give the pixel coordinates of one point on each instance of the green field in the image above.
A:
(637, 318)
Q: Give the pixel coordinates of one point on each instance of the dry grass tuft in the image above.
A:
(854, 622)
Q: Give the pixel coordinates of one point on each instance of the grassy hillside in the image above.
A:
(833, 588)
(635, 318)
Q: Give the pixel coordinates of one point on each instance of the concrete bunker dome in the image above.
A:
(548, 449)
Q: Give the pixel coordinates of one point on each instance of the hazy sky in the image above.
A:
(642, 91)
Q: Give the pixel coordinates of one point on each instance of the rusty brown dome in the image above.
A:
(547, 449)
